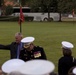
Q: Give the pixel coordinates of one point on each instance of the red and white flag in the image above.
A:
(21, 17)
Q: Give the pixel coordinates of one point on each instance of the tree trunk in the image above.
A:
(60, 17)
(48, 13)
(48, 16)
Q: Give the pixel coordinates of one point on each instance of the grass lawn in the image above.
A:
(49, 35)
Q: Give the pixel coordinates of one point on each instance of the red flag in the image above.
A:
(21, 17)
(73, 13)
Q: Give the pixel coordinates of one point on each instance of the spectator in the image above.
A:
(14, 47)
(30, 51)
(67, 60)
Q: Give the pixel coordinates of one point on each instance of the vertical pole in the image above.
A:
(20, 17)
(20, 27)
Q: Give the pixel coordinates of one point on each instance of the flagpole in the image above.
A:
(20, 27)
(20, 19)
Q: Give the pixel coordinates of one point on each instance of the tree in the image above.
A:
(51, 6)
(66, 6)
(24, 2)
(7, 8)
(44, 6)
(1, 3)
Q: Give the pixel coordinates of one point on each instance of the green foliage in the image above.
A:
(66, 6)
(45, 5)
(63, 6)
(34, 4)
(24, 2)
(8, 10)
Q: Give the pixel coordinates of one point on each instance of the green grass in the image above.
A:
(49, 35)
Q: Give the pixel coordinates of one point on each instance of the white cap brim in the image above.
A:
(66, 44)
(36, 67)
(74, 70)
(11, 65)
(27, 39)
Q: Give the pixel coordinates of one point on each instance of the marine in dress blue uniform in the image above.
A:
(30, 51)
(67, 60)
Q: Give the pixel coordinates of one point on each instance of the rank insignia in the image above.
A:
(37, 54)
